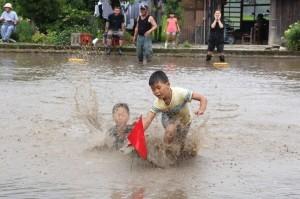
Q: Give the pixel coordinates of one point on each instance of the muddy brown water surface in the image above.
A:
(49, 123)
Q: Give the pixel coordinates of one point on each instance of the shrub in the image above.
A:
(39, 37)
(186, 44)
(64, 37)
(292, 36)
(24, 31)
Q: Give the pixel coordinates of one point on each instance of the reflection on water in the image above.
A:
(53, 112)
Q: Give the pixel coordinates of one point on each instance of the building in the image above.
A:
(247, 21)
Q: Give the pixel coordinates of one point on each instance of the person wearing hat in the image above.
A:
(9, 19)
(142, 34)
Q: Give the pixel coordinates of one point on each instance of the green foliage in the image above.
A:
(71, 16)
(39, 37)
(24, 31)
(292, 35)
(64, 37)
(42, 12)
(186, 44)
(173, 6)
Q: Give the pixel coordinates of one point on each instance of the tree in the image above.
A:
(42, 12)
(173, 6)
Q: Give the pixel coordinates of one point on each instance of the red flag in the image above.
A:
(137, 139)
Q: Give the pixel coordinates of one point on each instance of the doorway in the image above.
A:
(248, 19)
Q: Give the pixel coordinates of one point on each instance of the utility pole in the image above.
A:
(274, 36)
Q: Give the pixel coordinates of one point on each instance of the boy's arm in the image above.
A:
(203, 103)
(148, 119)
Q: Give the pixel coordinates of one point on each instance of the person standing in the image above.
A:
(115, 26)
(10, 20)
(142, 34)
(216, 37)
(172, 29)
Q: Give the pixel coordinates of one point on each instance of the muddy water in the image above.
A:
(50, 123)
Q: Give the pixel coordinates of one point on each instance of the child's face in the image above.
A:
(161, 90)
(172, 15)
(117, 11)
(217, 15)
(121, 116)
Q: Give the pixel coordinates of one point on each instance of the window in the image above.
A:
(251, 8)
(232, 13)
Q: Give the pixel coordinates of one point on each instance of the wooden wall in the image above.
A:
(288, 12)
(193, 13)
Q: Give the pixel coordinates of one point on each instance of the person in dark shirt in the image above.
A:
(216, 37)
(115, 26)
(142, 34)
(261, 29)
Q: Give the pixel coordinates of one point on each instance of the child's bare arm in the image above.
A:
(148, 119)
(203, 102)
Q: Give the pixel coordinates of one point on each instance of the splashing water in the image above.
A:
(87, 109)
(166, 155)
(160, 154)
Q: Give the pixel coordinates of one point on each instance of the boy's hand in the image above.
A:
(199, 112)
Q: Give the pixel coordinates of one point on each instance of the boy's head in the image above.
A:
(120, 113)
(160, 84)
(117, 10)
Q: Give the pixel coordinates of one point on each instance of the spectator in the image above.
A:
(10, 20)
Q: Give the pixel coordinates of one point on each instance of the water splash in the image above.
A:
(87, 106)
(159, 154)
(166, 155)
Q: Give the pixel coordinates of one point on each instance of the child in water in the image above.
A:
(173, 103)
(172, 29)
(119, 132)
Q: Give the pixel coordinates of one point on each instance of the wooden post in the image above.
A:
(274, 35)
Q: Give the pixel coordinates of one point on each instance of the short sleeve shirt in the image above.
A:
(115, 22)
(178, 107)
(9, 16)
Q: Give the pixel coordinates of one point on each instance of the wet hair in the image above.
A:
(158, 76)
(120, 105)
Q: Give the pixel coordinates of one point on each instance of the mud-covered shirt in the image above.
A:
(178, 109)
(119, 138)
